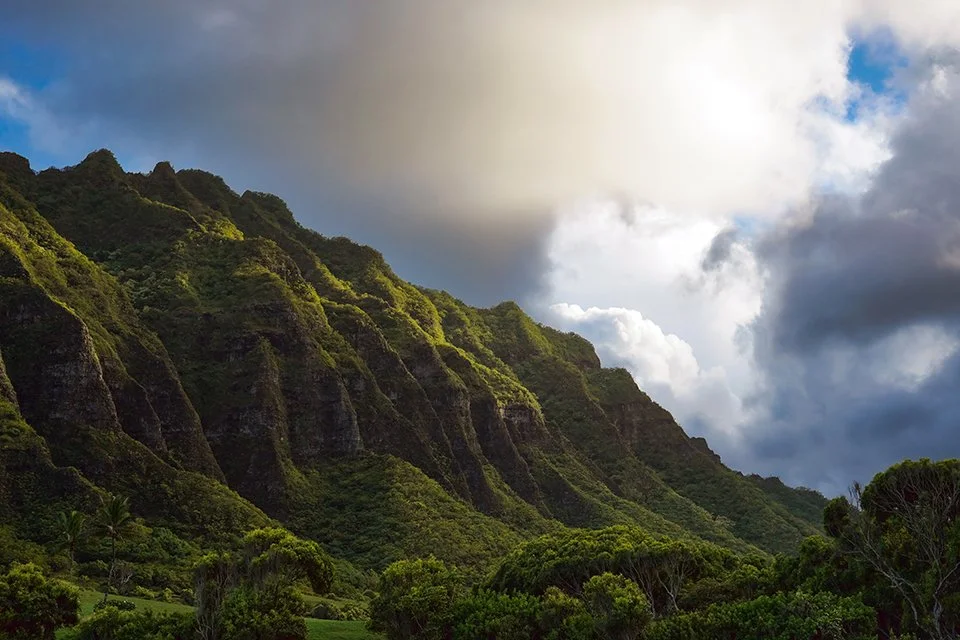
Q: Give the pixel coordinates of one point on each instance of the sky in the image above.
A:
(752, 205)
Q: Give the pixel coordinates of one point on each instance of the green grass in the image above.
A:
(339, 630)
(89, 598)
(316, 629)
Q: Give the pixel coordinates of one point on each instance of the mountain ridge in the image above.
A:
(208, 346)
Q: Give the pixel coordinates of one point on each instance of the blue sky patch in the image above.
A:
(874, 63)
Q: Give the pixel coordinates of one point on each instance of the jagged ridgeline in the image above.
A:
(165, 338)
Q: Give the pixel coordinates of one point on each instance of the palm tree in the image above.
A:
(72, 527)
(112, 521)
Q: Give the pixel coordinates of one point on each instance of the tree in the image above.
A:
(500, 616)
(567, 559)
(416, 600)
(619, 609)
(276, 613)
(563, 617)
(272, 554)
(112, 623)
(250, 595)
(72, 528)
(662, 568)
(33, 607)
(214, 576)
(904, 526)
(113, 520)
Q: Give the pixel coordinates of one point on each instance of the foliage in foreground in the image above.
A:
(113, 623)
(250, 594)
(784, 616)
(890, 568)
(33, 607)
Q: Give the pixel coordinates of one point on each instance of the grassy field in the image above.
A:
(316, 629)
(90, 598)
(339, 630)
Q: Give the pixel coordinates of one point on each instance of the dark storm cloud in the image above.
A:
(861, 275)
(864, 268)
(861, 315)
(828, 436)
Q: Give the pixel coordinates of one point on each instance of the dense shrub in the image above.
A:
(346, 610)
(121, 605)
(619, 609)
(416, 600)
(111, 623)
(780, 617)
(33, 607)
(271, 614)
(487, 614)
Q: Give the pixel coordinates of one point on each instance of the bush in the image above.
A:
(143, 592)
(111, 623)
(416, 600)
(264, 614)
(780, 617)
(563, 617)
(33, 607)
(328, 610)
(487, 614)
(619, 609)
(122, 605)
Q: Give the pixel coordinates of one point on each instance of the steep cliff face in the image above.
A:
(65, 329)
(7, 394)
(163, 334)
(688, 464)
(29, 481)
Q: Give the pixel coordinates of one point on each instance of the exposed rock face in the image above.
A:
(28, 477)
(153, 325)
(133, 408)
(180, 427)
(6, 389)
(56, 374)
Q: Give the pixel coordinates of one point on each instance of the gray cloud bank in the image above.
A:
(860, 325)
(404, 122)
(342, 107)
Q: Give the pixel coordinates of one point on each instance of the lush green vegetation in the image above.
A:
(182, 365)
(32, 606)
(339, 630)
(316, 629)
(889, 568)
(253, 592)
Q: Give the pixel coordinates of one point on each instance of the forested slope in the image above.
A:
(196, 349)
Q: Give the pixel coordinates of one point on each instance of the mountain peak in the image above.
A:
(163, 170)
(14, 164)
(101, 160)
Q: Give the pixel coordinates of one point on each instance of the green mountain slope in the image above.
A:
(165, 337)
